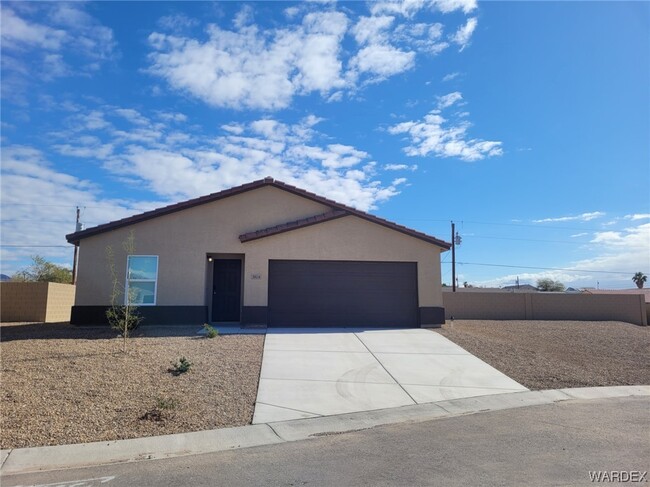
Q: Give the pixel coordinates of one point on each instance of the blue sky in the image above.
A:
(527, 123)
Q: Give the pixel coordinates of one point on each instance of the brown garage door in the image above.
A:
(342, 293)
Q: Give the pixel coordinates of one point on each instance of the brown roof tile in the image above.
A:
(286, 227)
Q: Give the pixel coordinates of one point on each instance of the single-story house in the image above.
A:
(263, 253)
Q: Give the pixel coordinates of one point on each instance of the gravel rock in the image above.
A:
(62, 384)
(557, 354)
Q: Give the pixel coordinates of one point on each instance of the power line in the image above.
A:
(72, 206)
(40, 246)
(539, 225)
(526, 239)
(41, 221)
(543, 268)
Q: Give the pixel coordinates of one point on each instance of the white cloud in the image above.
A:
(55, 67)
(627, 251)
(172, 116)
(421, 36)
(95, 151)
(451, 76)
(38, 207)
(581, 234)
(638, 216)
(132, 116)
(382, 60)
(568, 278)
(291, 12)
(464, 33)
(20, 33)
(244, 17)
(249, 68)
(62, 38)
(233, 128)
(435, 135)
(177, 164)
(406, 8)
(409, 8)
(447, 6)
(372, 29)
(584, 217)
(400, 167)
(448, 100)
(617, 255)
(177, 22)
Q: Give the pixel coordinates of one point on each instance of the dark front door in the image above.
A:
(226, 290)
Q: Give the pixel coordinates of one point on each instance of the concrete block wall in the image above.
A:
(630, 308)
(60, 299)
(35, 301)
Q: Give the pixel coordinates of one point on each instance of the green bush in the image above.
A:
(166, 403)
(180, 367)
(162, 410)
(210, 332)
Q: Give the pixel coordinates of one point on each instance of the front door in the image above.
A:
(226, 290)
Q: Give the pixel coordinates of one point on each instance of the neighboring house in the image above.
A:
(636, 290)
(264, 253)
(522, 288)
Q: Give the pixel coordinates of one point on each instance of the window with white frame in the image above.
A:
(141, 280)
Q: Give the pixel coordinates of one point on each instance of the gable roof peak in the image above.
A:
(267, 181)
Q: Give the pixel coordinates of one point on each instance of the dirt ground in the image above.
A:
(62, 384)
(557, 354)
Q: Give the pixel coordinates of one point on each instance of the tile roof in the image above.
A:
(286, 227)
(77, 236)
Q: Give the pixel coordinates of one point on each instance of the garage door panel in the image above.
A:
(335, 293)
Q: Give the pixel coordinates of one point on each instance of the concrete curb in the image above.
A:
(25, 460)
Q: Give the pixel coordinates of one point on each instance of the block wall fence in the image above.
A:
(47, 302)
(630, 308)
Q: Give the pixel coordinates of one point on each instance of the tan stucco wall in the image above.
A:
(36, 301)
(60, 298)
(182, 241)
(348, 238)
(630, 308)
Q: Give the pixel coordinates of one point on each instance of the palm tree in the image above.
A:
(639, 279)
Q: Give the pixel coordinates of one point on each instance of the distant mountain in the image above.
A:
(4, 277)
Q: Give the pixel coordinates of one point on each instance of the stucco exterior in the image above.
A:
(183, 241)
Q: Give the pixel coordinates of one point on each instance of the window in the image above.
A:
(141, 279)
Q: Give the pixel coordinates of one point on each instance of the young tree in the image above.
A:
(122, 317)
(43, 271)
(550, 285)
(639, 279)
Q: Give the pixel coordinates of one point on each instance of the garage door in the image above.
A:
(342, 293)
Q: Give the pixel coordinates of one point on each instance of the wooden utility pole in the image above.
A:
(453, 256)
(76, 250)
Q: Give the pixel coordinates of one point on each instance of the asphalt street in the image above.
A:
(556, 444)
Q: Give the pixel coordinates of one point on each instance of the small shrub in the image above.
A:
(210, 332)
(180, 367)
(162, 411)
(166, 403)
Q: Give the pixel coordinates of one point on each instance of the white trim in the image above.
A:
(155, 282)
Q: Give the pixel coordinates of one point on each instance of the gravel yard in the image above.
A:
(62, 384)
(557, 354)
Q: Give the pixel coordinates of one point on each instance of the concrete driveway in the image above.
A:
(320, 372)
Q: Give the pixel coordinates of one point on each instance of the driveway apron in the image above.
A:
(310, 372)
